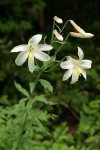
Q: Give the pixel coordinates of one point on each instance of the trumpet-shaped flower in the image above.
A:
(58, 35)
(32, 50)
(76, 67)
(80, 32)
(58, 20)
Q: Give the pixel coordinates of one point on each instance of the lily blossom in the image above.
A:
(32, 50)
(80, 32)
(58, 20)
(76, 67)
(58, 35)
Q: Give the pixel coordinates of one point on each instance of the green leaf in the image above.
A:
(31, 84)
(41, 98)
(91, 139)
(46, 85)
(21, 89)
(95, 104)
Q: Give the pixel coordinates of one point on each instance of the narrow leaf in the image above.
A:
(31, 84)
(46, 85)
(21, 89)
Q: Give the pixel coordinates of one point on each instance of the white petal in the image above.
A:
(86, 64)
(19, 48)
(21, 58)
(80, 30)
(75, 76)
(80, 53)
(31, 64)
(84, 73)
(35, 39)
(41, 56)
(44, 47)
(66, 65)
(67, 74)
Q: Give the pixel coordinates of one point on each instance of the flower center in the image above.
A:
(79, 71)
(31, 49)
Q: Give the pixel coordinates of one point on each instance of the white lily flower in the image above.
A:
(32, 50)
(58, 35)
(80, 32)
(75, 67)
(58, 20)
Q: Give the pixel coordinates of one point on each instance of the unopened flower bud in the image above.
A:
(58, 35)
(58, 20)
(80, 32)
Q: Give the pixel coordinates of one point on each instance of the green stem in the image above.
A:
(61, 45)
(55, 65)
(23, 126)
(58, 28)
(37, 79)
(57, 51)
(20, 137)
(44, 67)
(64, 26)
(36, 82)
(52, 36)
(68, 107)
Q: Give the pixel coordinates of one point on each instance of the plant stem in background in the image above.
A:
(37, 79)
(20, 137)
(61, 45)
(52, 36)
(64, 26)
(56, 65)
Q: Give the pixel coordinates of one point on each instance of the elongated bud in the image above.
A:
(58, 20)
(79, 35)
(80, 30)
(58, 35)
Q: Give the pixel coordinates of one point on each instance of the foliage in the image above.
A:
(63, 117)
(36, 134)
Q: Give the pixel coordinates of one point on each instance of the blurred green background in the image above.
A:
(78, 105)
